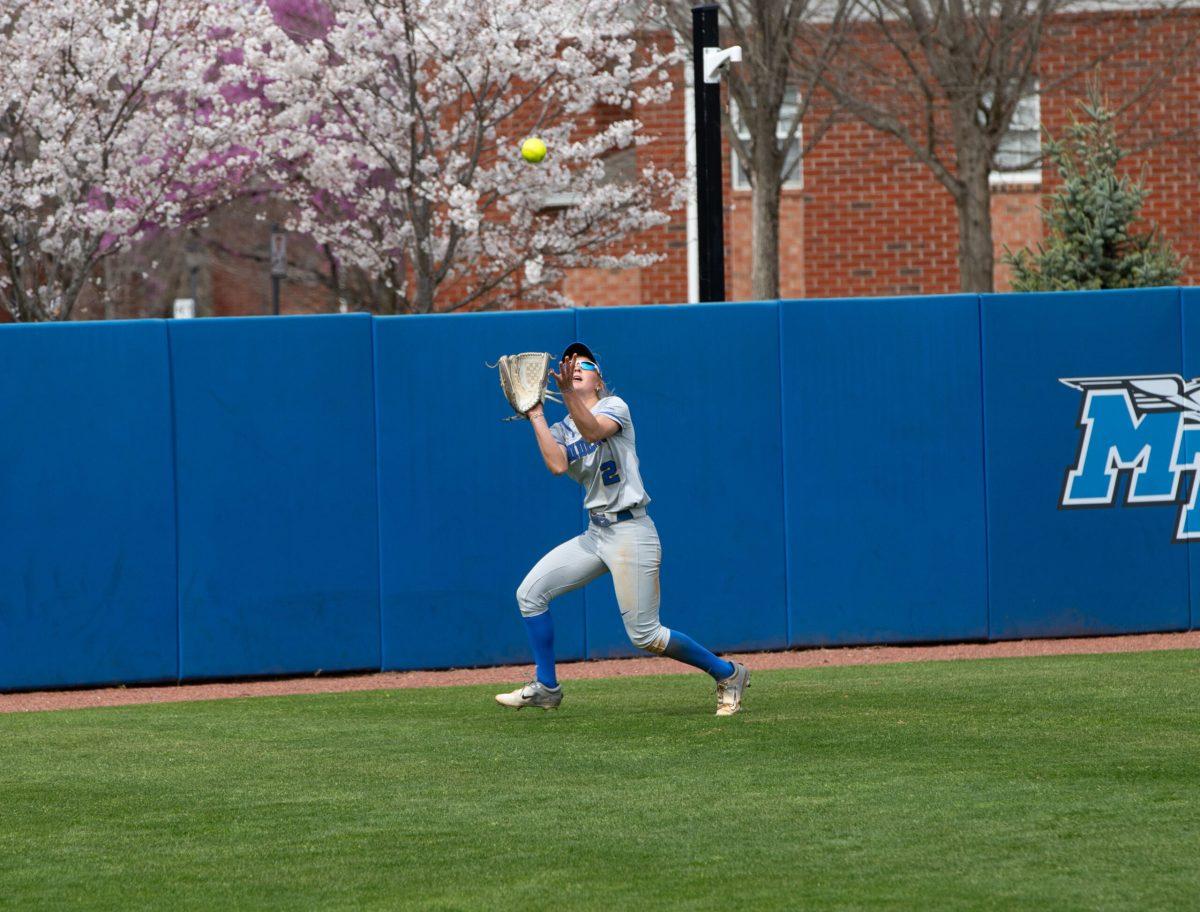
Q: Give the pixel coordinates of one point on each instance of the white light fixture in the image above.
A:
(717, 60)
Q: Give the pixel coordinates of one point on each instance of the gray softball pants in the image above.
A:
(630, 551)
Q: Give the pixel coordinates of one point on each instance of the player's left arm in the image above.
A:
(605, 428)
(593, 428)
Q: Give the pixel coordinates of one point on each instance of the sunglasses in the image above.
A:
(586, 365)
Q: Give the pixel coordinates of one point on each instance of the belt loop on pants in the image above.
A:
(604, 520)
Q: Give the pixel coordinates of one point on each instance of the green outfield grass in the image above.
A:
(1049, 783)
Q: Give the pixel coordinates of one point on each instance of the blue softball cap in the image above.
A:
(578, 348)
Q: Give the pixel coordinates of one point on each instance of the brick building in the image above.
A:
(866, 219)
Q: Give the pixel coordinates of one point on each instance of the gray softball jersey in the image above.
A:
(608, 470)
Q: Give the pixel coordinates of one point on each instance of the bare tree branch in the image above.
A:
(786, 46)
(945, 78)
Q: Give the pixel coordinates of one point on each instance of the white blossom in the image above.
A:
(396, 137)
(116, 119)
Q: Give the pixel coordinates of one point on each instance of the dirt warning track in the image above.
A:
(40, 701)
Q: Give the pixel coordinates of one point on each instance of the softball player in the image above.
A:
(596, 446)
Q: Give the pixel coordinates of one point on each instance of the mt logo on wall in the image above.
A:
(1147, 426)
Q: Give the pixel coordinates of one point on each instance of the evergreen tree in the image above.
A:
(1088, 222)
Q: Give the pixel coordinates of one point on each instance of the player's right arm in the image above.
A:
(554, 454)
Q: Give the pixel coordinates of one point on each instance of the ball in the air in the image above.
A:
(533, 150)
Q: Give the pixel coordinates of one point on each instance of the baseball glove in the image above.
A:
(524, 379)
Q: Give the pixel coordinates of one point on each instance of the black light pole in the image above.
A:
(278, 265)
(193, 274)
(708, 62)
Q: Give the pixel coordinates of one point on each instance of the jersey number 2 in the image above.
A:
(609, 474)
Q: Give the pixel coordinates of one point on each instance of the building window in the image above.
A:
(793, 167)
(1021, 143)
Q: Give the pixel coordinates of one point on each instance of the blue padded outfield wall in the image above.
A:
(702, 384)
(277, 505)
(1080, 571)
(466, 506)
(256, 496)
(87, 507)
(883, 436)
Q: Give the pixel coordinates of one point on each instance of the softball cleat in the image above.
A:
(535, 693)
(730, 690)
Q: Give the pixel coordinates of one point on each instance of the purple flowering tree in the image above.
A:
(117, 120)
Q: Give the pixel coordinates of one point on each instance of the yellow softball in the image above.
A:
(533, 150)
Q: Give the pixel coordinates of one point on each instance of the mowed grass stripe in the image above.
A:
(1058, 782)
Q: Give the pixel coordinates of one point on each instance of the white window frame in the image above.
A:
(567, 199)
(740, 182)
(561, 199)
(1030, 107)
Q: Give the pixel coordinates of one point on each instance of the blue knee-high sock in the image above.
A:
(540, 628)
(683, 648)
